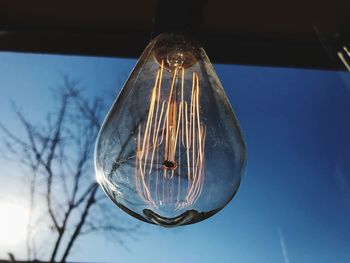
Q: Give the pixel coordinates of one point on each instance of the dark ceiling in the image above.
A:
(295, 33)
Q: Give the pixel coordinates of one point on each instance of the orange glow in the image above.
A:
(173, 129)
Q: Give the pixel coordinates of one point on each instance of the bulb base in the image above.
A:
(188, 217)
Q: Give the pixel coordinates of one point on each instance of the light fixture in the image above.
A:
(170, 151)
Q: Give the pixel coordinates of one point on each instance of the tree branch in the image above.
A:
(80, 224)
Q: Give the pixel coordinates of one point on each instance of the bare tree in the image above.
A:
(57, 158)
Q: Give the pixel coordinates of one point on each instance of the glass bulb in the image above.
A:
(170, 151)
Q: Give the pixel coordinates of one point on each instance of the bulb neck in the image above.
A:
(181, 17)
(175, 50)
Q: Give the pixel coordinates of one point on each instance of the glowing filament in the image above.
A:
(169, 165)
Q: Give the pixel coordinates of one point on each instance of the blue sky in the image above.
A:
(294, 201)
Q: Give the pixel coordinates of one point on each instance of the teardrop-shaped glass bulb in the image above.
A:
(170, 151)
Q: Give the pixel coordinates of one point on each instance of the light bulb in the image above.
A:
(170, 151)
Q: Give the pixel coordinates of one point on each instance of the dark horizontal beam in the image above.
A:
(221, 48)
